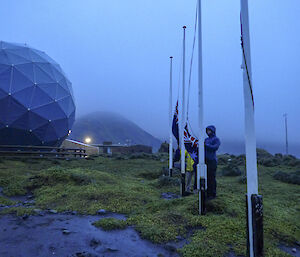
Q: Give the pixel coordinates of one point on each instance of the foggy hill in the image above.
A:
(106, 126)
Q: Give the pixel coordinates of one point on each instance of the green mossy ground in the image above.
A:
(132, 186)
(110, 224)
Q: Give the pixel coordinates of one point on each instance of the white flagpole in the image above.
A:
(250, 137)
(286, 134)
(170, 121)
(182, 123)
(201, 168)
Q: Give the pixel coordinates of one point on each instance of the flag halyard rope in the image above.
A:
(191, 63)
(246, 66)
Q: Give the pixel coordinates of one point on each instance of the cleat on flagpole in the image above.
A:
(257, 225)
(202, 195)
(170, 172)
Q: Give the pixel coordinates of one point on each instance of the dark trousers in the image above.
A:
(195, 176)
(211, 178)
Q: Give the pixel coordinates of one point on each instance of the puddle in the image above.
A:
(22, 200)
(290, 250)
(232, 254)
(71, 235)
(169, 196)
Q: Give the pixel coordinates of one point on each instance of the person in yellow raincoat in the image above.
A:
(189, 170)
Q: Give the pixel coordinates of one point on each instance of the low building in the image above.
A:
(109, 148)
(89, 149)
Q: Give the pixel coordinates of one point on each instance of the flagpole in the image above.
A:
(201, 167)
(254, 201)
(170, 121)
(286, 134)
(182, 123)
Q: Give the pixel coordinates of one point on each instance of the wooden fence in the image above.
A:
(40, 152)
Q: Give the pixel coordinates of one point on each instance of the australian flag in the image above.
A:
(191, 144)
(175, 125)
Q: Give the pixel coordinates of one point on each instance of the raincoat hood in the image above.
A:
(213, 129)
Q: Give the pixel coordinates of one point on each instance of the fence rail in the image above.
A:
(41, 152)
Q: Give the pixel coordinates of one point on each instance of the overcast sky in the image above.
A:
(116, 54)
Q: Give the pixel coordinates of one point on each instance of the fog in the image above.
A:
(116, 54)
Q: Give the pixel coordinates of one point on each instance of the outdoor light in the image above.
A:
(88, 140)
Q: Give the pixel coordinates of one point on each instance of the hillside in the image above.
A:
(105, 126)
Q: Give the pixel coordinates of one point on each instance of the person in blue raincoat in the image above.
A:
(211, 145)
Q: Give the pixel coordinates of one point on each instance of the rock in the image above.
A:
(25, 217)
(170, 248)
(169, 196)
(29, 202)
(294, 250)
(53, 211)
(84, 254)
(101, 212)
(179, 238)
(111, 249)
(94, 243)
(66, 232)
(30, 196)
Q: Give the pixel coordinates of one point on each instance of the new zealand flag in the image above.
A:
(191, 144)
(175, 125)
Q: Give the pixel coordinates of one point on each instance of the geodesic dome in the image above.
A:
(36, 98)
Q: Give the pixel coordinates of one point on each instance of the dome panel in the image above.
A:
(61, 127)
(22, 122)
(49, 88)
(24, 96)
(50, 111)
(26, 70)
(36, 121)
(19, 81)
(15, 58)
(41, 76)
(5, 78)
(22, 52)
(40, 98)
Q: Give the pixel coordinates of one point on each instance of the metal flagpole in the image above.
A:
(170, 121)
(201, 167)
(286, 134)
(182, 123)
(254, 201)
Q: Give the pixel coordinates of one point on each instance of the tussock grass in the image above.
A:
(110, 224)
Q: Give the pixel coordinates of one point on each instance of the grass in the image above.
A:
(133, 186)
(6, 201)
(110, 224)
